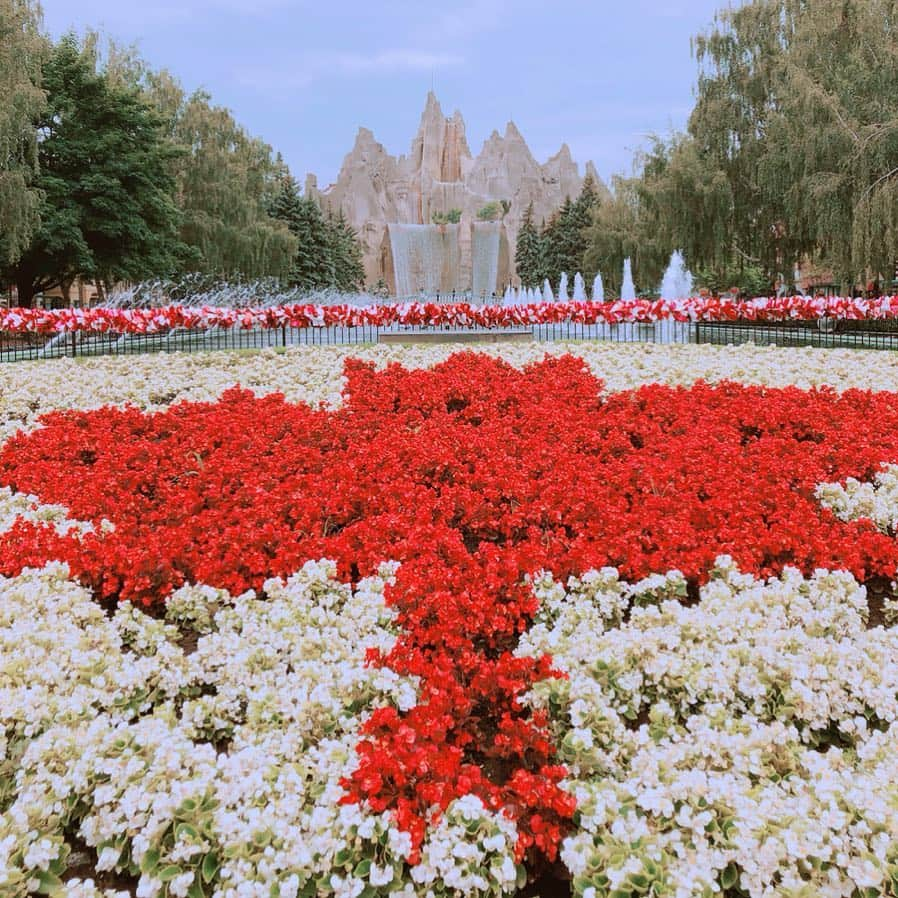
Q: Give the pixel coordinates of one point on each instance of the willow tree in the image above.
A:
(226, 181)
(797, 109)
(21, 50)
(226, 178)
(625, 226)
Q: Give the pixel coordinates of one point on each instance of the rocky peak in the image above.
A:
(513, 134)
(376, 189)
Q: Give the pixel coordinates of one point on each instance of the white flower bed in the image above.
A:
(751, 740)
(877, 501)
(314, 374)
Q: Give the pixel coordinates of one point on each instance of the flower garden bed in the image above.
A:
(103, 320)
(620, 636)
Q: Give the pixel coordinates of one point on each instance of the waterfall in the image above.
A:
(420, 256)
(628, 290)
(579, 288)
(598, 289)
(485, 239)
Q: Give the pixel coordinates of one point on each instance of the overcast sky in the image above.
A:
(305, 74)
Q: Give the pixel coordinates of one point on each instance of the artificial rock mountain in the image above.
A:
(375, 190)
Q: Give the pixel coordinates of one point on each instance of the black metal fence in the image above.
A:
(828, 333)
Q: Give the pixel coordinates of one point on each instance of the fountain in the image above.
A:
(485, 238)
(579, 288)
(675, 287)
(562, 288)
(677, 282)
(547, 291)
(628, 290)
(598, 289)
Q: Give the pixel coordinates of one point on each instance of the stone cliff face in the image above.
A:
(375, 189)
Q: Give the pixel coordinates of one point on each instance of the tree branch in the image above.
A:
(875, 184)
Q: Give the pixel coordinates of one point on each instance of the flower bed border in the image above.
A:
(103, 320)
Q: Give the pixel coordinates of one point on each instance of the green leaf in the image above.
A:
(196, 888)
(729, 877)
(362, 868)
(150, 861)
(185, 830)
(47, 882)
(167, 874)
(210, 866)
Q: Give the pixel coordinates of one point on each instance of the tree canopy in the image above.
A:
(107, 211)
(790, 154)
(796, 120)
(22, 49)
(328, 253)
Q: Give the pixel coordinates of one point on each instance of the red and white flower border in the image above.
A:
(431, 314)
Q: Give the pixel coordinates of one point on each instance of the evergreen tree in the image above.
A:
(585, 204)
(528, 254)
(549, 244)
(22, 48)
(566, 239)
(312, 266)
(345, 252)
(564, 243)
(108, 212)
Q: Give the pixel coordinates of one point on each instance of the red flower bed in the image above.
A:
(432, 314)
(472, 475)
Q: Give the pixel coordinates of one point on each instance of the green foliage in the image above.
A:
(566, 238)
(528, 257)
(105, 173)
(623, 227)
(492, 211)
(22, 49)
(797, 111)
(328, 253)
(453, 216)
(345, 253)
(751, 280)
(226, 180)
